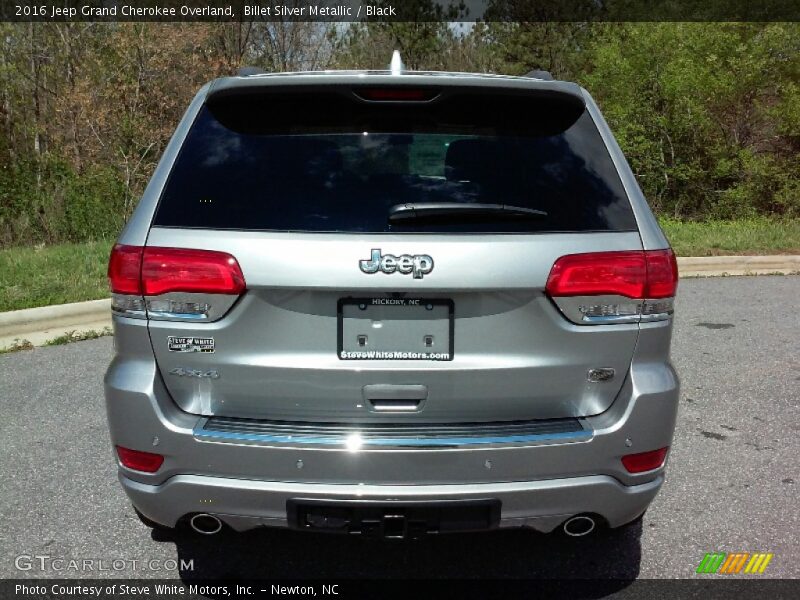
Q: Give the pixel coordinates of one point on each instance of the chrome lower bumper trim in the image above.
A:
(356, 436)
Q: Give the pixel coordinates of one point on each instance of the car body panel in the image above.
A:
(275, 352)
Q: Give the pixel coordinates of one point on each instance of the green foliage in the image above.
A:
(17, 346)
(420, 32)
(47, 201)
(79, 336)
(757, 235)
(41, 275)
(708, 114)
(705, 112)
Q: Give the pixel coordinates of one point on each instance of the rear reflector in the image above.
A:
(183, 270)
(634, 274)
(645, 461)
(137, 460)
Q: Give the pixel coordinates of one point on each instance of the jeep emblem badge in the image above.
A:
(418, 264)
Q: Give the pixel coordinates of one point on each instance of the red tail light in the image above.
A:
(152, 271)
(182, 270)
(644, 461)
(662, 274)
(140, 461)
(124, 269)
(599, 273)
(635, 274)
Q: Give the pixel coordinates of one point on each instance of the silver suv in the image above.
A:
(392, 303)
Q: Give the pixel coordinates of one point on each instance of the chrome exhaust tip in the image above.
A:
(205, 524)
(579, 526)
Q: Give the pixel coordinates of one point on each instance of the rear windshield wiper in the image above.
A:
(423, 210)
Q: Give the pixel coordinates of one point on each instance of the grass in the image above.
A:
(78, 336)
(69, 337)
(41, 276)
(746, 237)
(17, 346)
(44, 275)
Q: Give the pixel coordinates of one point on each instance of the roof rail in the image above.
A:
(247, 71)
(538, 74)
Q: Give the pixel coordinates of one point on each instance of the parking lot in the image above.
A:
(732, 482)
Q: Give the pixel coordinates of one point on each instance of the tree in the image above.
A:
(420, 32)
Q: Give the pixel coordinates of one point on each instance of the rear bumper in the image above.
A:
(541, 505)
(248, 479)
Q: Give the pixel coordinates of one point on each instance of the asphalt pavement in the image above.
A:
(732, 482)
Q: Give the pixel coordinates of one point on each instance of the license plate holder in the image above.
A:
(395, 519)
(385, 328)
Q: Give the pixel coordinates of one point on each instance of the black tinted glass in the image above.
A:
(325, 178)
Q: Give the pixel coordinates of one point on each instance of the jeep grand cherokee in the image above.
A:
(392, 303)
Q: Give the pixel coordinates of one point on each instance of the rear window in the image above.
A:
(246, 165)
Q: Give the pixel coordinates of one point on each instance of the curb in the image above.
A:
(39, 325)
(711, 266)
(21, 319)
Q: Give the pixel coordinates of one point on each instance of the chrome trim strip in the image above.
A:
(358, 437)
(160, 315)
(216, 306)
(656, 317)
(574, 309)
(131, 314)
(607, 319)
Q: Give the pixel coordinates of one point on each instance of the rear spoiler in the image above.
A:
(339, 103)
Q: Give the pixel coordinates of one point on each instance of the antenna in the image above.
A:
(396, 66)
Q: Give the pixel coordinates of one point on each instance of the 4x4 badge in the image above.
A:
(183, 372)
(418, 264)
